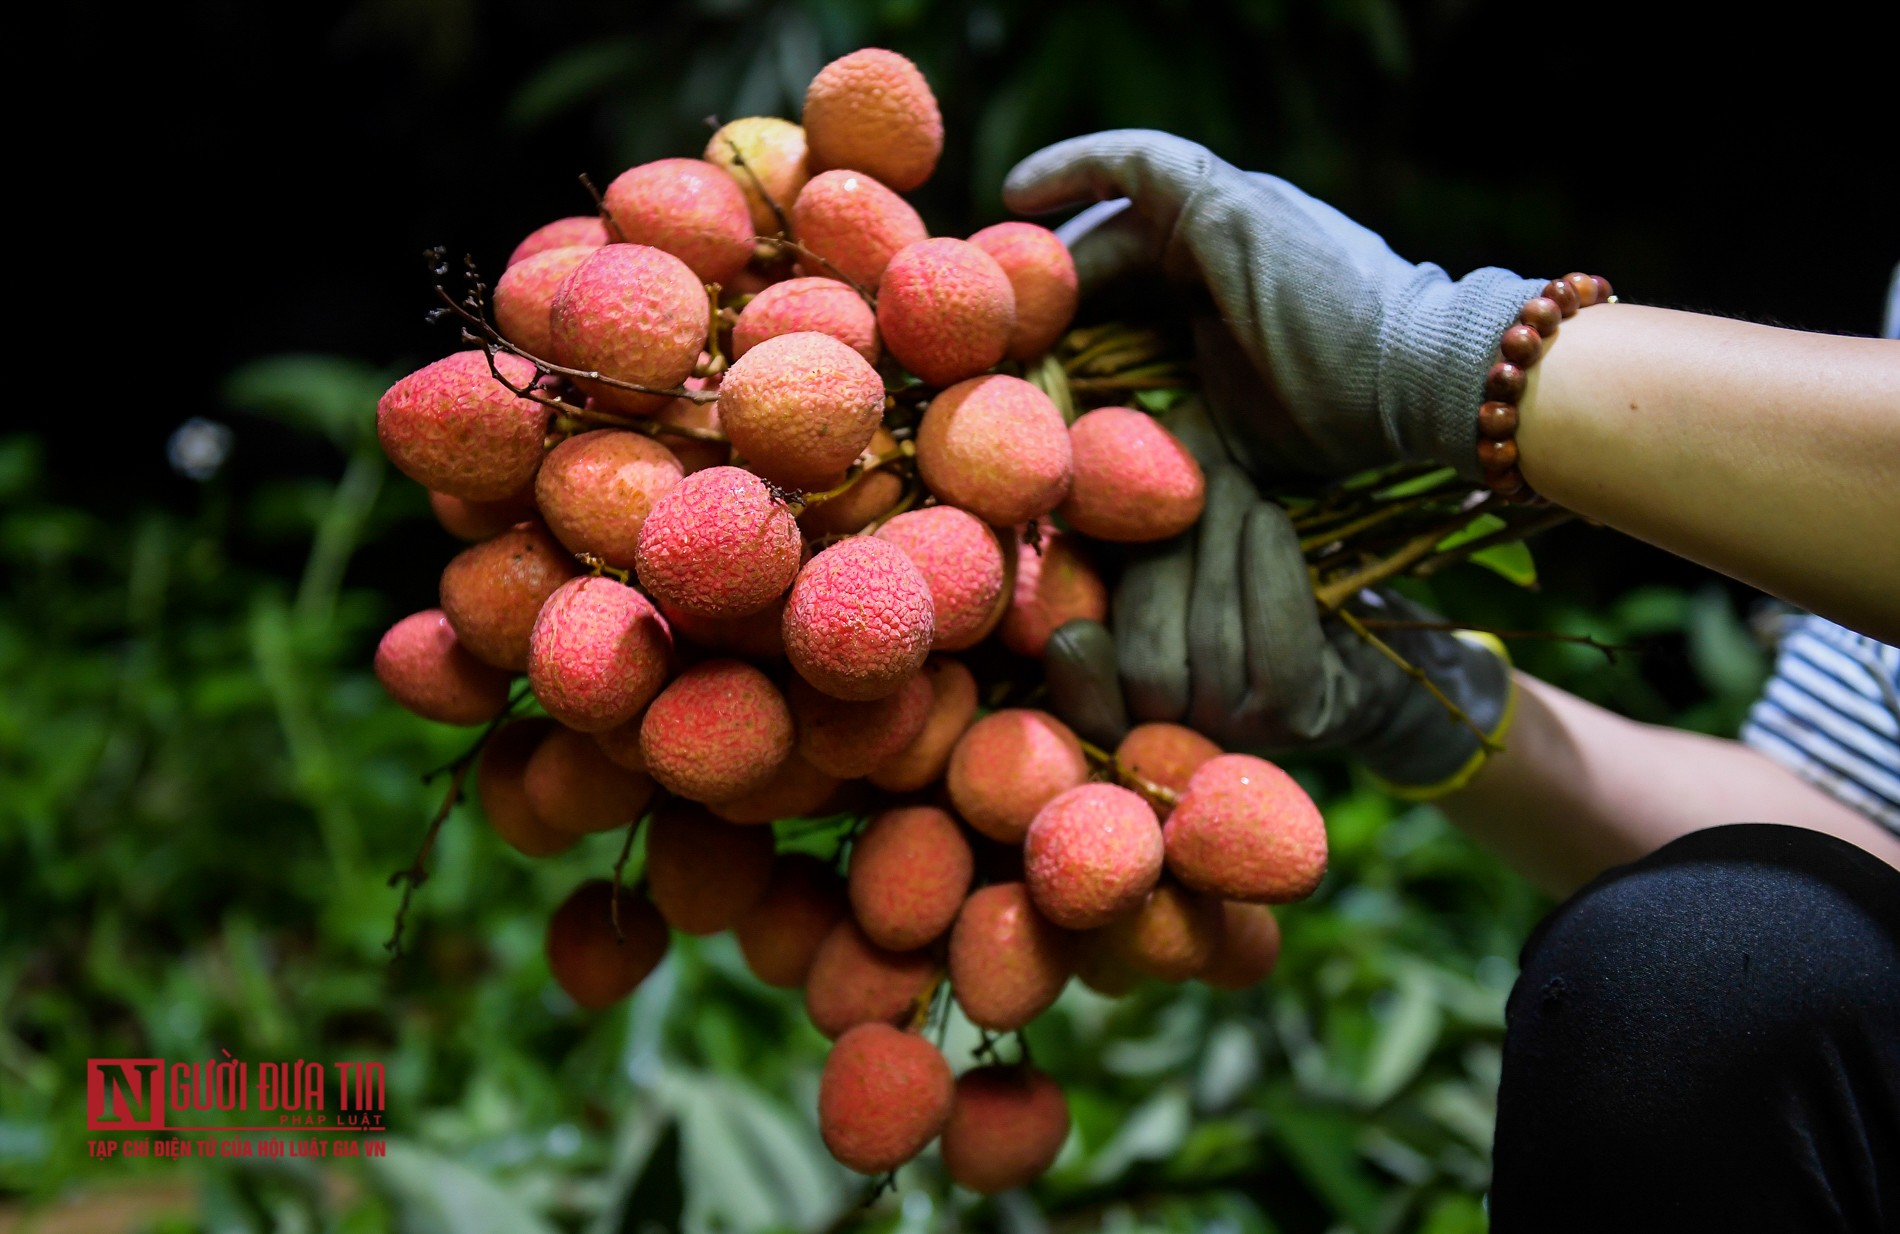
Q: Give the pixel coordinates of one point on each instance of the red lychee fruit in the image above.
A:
(1055, 583)
(962, 564)
(633, 313)
(595, 966)
(765, 156)
(910, 868)
(689, 208)
(1246, 830)
(1042, 274)
(870, 497)
(621, 745)
(1103, 969)
(598, 654)
(854, 981)
(719, 731)
(800, 408)
(596, 489)
(493, 591)
(454, 429)
(426, 669)
(860, 620)
(1008, 963)
(573, 786)
(1007, 1126)
(995, 446)
(872, 110)
(581, 230)
(524, 295)
(1173, 936)
(883, 1096)
(704, 874)
(1134, 480)
(945, 310)
(1165, 755)
(853, 225)
(781, 933)
(500, 785)
(825, 306)
(476, 521)
(848, 739)
(1010, 764)
(692, 453)
(719, 545)
(1092, 855)
(796, 790)
(1249, 947)
(756, 636)
(952, 708)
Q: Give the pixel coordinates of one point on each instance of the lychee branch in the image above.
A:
(620, 870)
(1128, 777)
(1523, 529)
(758, 185)
(1334, 594)
(862, 468)
(1457, 713)
(800, 250)
(1609, 650)
(607, 219)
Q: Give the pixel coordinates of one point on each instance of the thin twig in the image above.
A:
(1522, 529)
(607, 219)
(1128, 777)
(795, 247)
(1333, 594)
(1418, 674)
(859, 470)
(1451, 627)
(739, 161)
(620, 867)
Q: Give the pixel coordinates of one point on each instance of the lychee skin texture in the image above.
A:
(1008, 963)
(797, 789)
(817, 304)
(596, 968)
(719, 731)
(860, 620)
(995, 446)
(598, 654)
(1042, 274)
(909, 871)
(574, 787)
(596, 489)
(883, 1096)
(756, 636)
(775, 166)
(1134, 480)
(962, 564)
(1173, 936)
(621, 745)
(1092, 855)
(427, 670)
(868, 497)
(952, 708)
(500, 785)
(1246, 830)
(848, 739)
(635, 314)
(945, 310)
(1249, 947)
(580, 230)
(719, 545)
(703, 874)
(1009, 765)
(1053, 586)
(475, 521)
(854, 224)
(781, 934)
(854, 981)
(1166, 755)
(689, 208)
(1007, 1127)
(452, 428)
(524, 295)
(800, 408)
(693, 455)
(493, 591)
(872, 110)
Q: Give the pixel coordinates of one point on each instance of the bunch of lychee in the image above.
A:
(755, 589)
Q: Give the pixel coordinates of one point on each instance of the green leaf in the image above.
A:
(432, 1193)
(1157, 401)
(1512, 561)
(1323, 1146)
(1416, 485)
(322, 394)
(572, 78)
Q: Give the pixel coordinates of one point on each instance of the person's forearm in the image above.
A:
(1579, 789)
(1770, 455)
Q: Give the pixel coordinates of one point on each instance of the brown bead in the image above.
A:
(1522, 345)
(1505, 482)
(1542, 315)
(1585, 287)
(1497, 455)
(1504, 383)
(1564, 294)
(1604, 290)
(1497, 420)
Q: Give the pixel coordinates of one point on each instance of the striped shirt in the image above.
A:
(1831, 715)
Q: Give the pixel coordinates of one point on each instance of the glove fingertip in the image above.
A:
(1084, 690)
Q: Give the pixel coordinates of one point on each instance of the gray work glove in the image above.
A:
(1322, 350)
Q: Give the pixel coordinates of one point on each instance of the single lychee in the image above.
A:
(796, 789)
(800, 408)
(1102, 968)
(1249, 947)
(756, 636)
(860, 620)
(453, 428)
(1055, 583)
(582, 230)
(621, 745)
(493, 591)
(765, 156)
(476, 521)
(1173, 936)
(524, 295)
(872, 110)
(910, 868)
(1134, 480)
(705, 874)
(596, 489)
(574, 787)
(595, 966)
(1007, 1126)
(952, 708)
(1092, 855)
(846, 739)
(500, 785)
(1010, 764)
(598, 654)
(719, 545)
(962, 564)
(689, 208)
(1165, 755)
(781, 933)
(817, 304)
(852, 225)
(854, 981)
(882, 1097)
(426, 669)
(945, 310)
(997, 447)
(1008, 963)
(632, 313)
(871, 496)
(693, 454)
(1246, 830)
(719, 731)
(1042, 274)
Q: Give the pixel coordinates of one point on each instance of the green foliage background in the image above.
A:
(203, 790)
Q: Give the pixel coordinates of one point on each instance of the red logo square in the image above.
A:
(125, 1094)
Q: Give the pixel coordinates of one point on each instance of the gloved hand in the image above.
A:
(1322, 350)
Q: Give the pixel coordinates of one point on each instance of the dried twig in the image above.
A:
(1418, 674)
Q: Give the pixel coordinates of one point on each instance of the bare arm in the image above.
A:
(1579, 789)
(1770, 455)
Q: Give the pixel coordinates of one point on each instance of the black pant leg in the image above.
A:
(1709, 1038)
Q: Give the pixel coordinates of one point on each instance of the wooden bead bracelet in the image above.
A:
(1504, 385)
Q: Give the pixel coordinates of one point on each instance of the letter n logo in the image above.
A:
(125, 1094)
